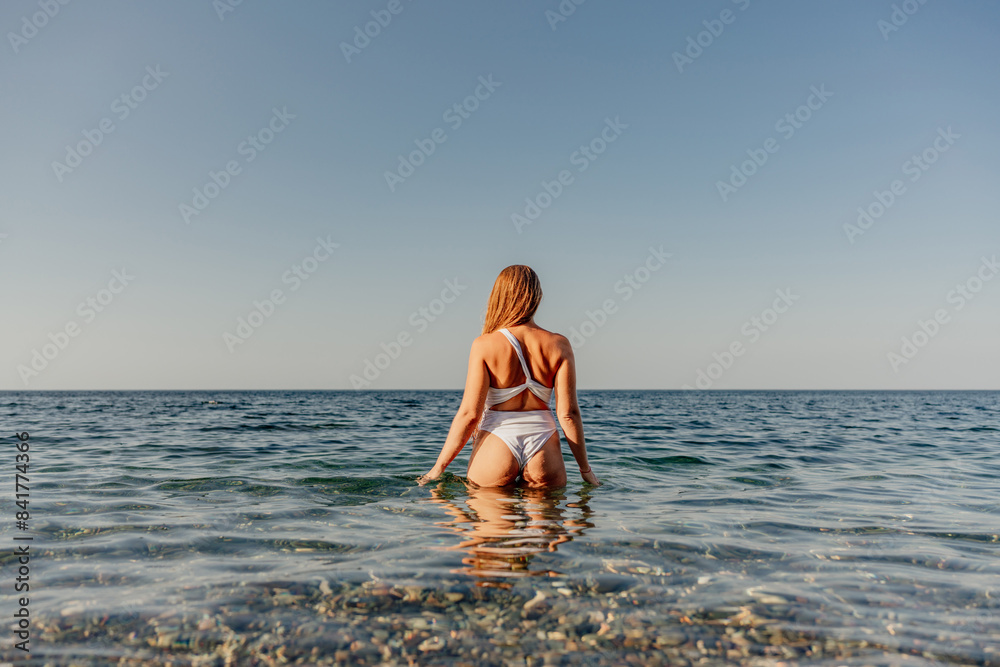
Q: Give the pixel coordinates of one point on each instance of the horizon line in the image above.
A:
(359, 391)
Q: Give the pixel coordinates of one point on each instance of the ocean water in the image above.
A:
(279, 527)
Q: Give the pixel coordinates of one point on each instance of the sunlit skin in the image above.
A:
(492, 362)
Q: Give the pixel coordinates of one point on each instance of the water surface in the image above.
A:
(736, 527)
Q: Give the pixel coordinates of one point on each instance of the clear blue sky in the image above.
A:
(198, 82)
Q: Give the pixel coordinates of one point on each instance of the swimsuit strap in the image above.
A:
(520, 355)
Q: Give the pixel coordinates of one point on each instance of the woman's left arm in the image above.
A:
(477, 383)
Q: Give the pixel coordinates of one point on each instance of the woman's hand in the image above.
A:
(590, 477)
(429, 477)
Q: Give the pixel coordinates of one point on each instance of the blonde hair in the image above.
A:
(514, 299)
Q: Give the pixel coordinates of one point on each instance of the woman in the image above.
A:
(513, 368)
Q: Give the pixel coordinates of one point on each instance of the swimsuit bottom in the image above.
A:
(524, 431)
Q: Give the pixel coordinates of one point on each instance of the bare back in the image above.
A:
(545, 353)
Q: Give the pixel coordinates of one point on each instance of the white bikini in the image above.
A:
(524, 431)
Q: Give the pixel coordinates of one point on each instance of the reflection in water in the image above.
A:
(503, 528)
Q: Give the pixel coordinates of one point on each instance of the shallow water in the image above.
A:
(736, 527)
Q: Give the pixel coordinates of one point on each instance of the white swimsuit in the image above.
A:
(524, 431)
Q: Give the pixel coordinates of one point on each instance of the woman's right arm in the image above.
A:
(568, 410)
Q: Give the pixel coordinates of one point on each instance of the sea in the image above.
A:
(288, 528)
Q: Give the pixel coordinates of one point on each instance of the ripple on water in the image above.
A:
(820, 527)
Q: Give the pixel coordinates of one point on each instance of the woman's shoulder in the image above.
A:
(487, 342)
(543, 337)
(487, 338)
(556, 339)
(549, 340)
